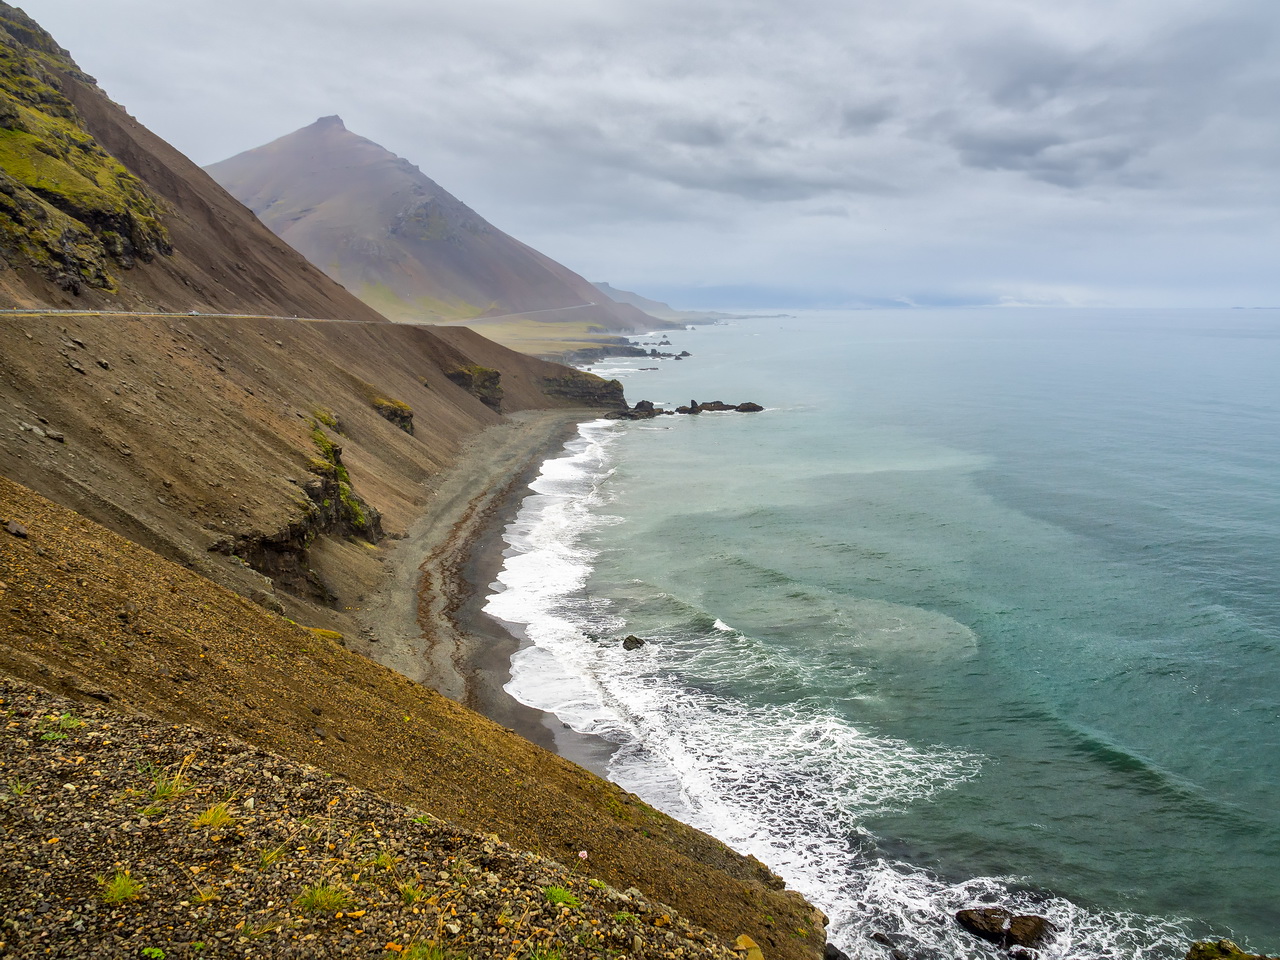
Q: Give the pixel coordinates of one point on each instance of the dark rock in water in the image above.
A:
(644, 410)
(832, 952)
(1004, 928)
(632, 642)
(718, 406)
(748, 407)
(1221, 950)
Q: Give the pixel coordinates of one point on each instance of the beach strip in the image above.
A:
(426, 621)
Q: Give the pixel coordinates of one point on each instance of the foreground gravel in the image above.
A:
(83, 801)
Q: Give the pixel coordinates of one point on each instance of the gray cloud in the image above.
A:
(947, 148)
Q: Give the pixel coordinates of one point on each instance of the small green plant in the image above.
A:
(206, 894)
(153, 953)
(118, 887)
(198, 946)
(625, 916)
(268, 858)
(262, 929)
(151, 810)
(215, 817)
(423, 951)
(323, 898)
(55, 728)
(425, 819)
(411, 893)
(595, 884)
(384, 860)
(545, 953)
(17, 788)
(561, 897)
(166, 785)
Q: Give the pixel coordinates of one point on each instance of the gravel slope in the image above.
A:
(83, 800)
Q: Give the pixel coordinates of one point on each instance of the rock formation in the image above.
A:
(1014, 932)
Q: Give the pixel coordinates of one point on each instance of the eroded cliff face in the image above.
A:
(578, 386)
(69, 210)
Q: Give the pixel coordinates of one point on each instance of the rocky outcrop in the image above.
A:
(1221, 950)
(481, 382)
(584, 389)
(394, 411)
(1017, 933)
(331, 507)
(612, 347)
(68, 209)
(632, 642)
(645, 410)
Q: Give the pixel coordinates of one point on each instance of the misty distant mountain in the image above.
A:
(656, 308)
(398, 240)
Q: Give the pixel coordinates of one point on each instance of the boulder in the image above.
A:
(748, 407)
(632, 642)
(1004, 928)
(1221, 950)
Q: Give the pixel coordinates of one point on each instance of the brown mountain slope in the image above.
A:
(387, 232)
(97, 211)
(187, 434)
(201, 432)
(92, 615)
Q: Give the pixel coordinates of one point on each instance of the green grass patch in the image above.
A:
(561, 897)
(323, 898)
(118, 887)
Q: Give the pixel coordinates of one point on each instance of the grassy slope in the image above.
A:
(87, 613)
(67, 208)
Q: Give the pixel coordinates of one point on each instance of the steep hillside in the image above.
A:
(93, 616)
(98, 212)
(254, 449)
(273, 442)
(397, 239)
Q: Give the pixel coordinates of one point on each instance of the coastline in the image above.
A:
(427, 622)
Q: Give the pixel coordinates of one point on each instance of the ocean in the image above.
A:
(983, 608)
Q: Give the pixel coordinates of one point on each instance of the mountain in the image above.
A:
(402, 243)
(98, 212)
(656, 308)
(190, 472)
(180, 432)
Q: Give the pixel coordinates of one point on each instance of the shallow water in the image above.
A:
(982, 607)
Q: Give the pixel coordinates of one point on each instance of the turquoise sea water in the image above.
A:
(984, 607)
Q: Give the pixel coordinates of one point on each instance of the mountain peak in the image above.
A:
(379, 226)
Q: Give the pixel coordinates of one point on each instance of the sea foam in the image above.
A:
(790, 783)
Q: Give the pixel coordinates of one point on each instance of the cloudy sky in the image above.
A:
(753, 152)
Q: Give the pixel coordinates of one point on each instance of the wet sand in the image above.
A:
(427, 621)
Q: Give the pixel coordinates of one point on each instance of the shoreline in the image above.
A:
(427, 622)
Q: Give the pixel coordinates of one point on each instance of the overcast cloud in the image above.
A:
(738, 152)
